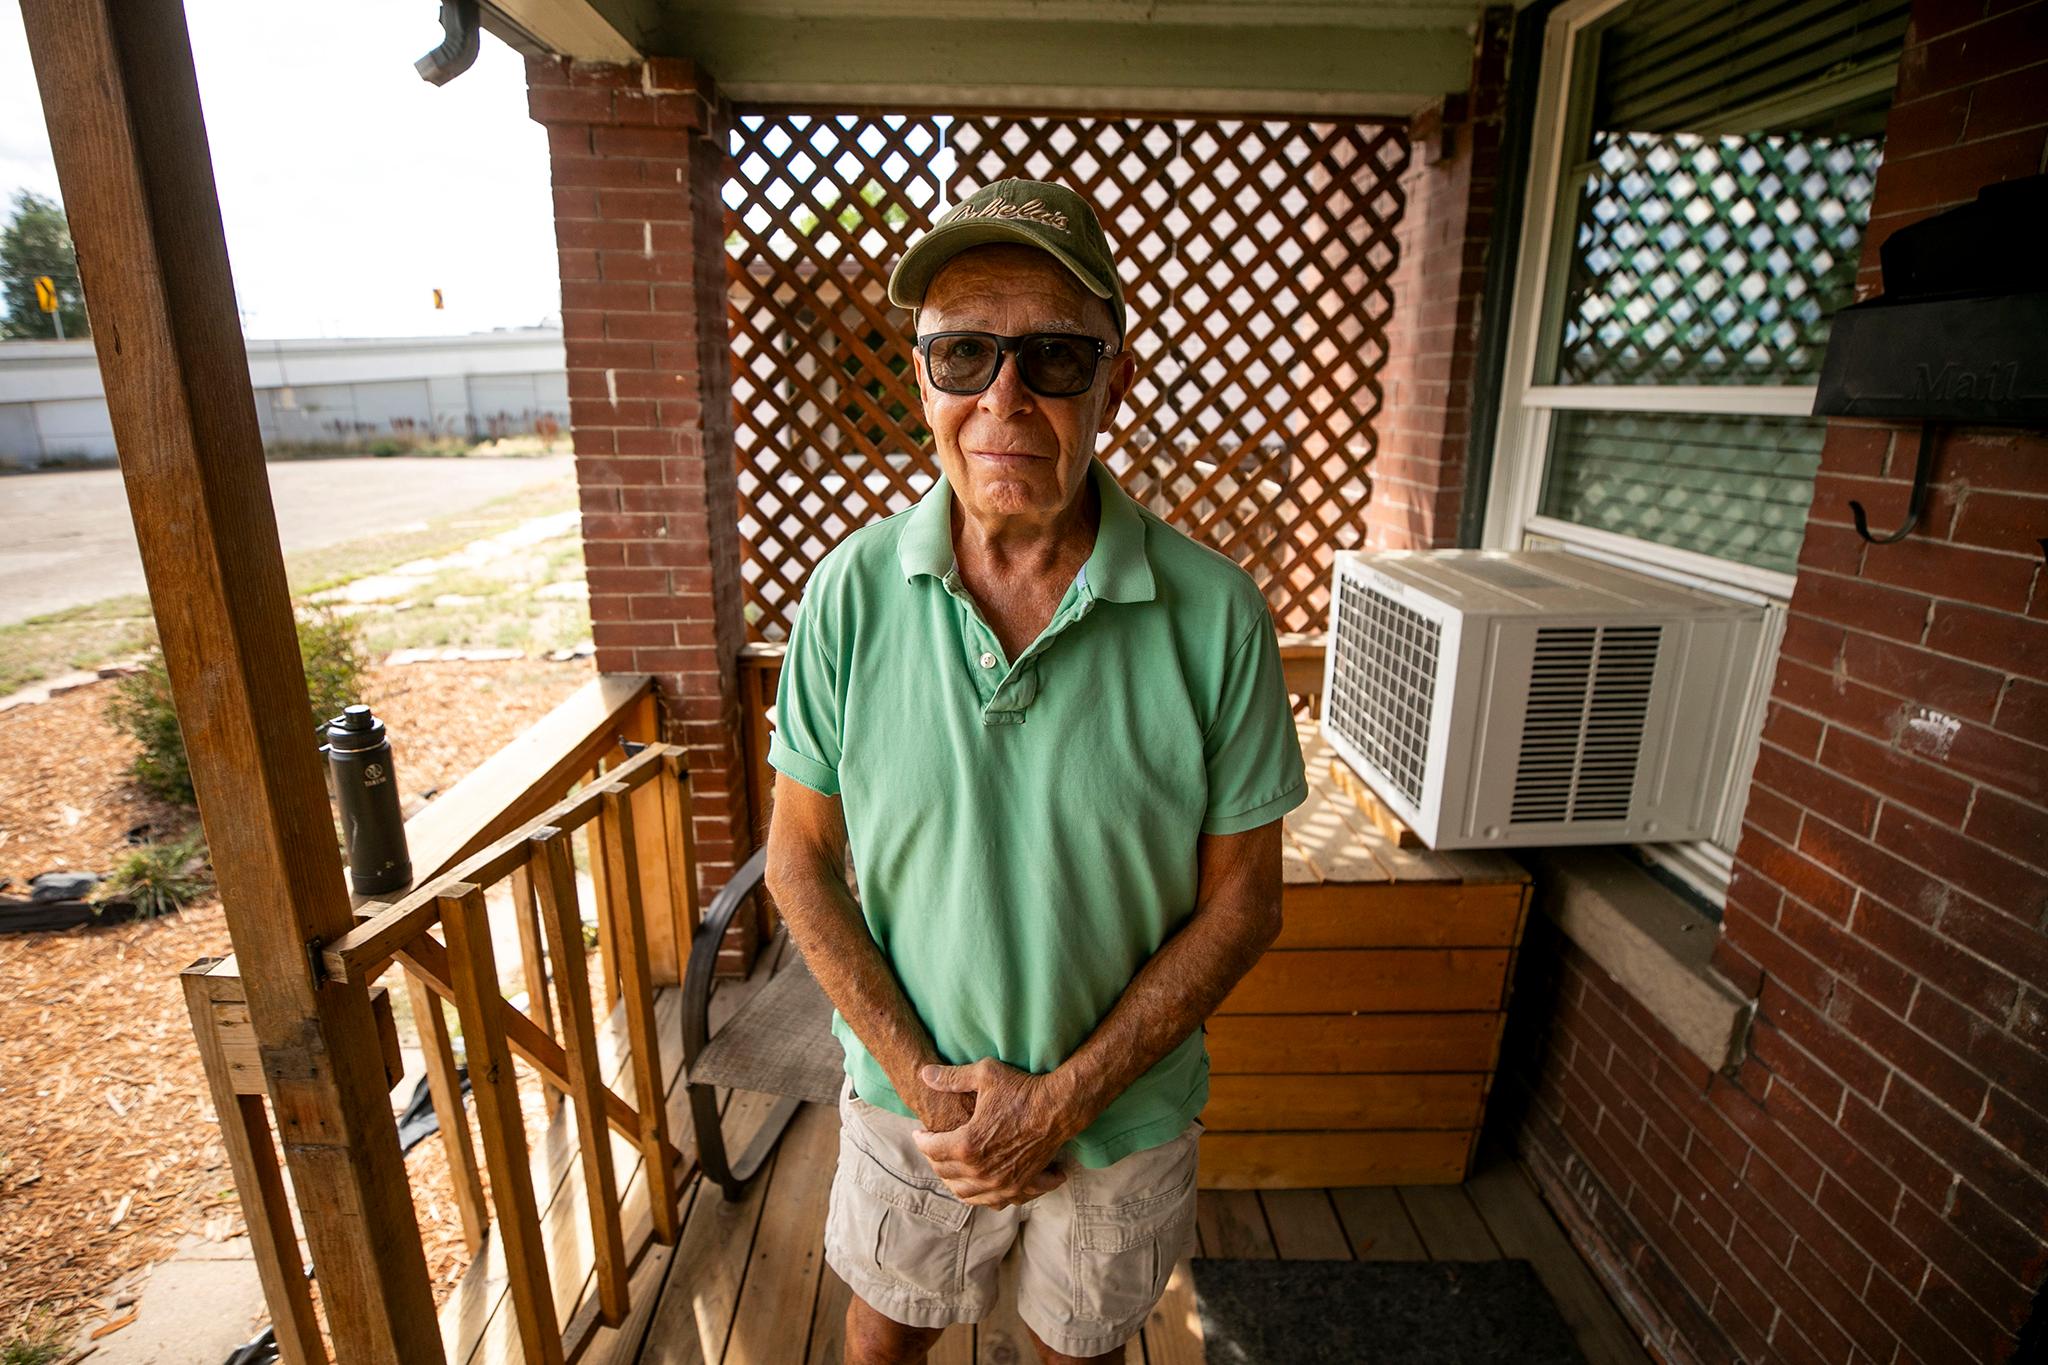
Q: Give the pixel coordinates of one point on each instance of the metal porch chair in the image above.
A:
(779, 1043)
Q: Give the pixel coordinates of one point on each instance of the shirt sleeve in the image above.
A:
(808, 701)
(1251, 748)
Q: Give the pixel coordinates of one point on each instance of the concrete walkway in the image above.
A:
(193, 1309)
(68, 538)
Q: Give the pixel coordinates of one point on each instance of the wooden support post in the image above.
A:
(446, 1087)
(122, 104)
(534, 965)
(556, 884)
(757, 673)
(660, 887)
(651, 1095)
(496, 1088)
(245, 1133)
(605, 897)
(681, 840)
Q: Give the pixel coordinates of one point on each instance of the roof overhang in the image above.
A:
(1385, 57)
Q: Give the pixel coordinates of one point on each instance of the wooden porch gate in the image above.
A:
(1256, 255)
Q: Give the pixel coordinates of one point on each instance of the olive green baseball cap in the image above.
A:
(1029, 212)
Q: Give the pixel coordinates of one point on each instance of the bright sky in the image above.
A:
(351, 189)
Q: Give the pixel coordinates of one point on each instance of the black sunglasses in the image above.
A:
(1052, 364)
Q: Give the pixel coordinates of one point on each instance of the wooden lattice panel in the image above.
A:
(818, 207)
(1256, 257)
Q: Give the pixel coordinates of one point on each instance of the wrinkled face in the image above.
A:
(1007, 451)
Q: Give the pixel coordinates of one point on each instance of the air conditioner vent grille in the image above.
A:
(1582, 732)
(1384, 682)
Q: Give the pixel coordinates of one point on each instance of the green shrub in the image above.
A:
(331, 650)
(160, 878)
(141, 709)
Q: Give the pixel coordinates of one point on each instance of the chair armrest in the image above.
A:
(699, 976)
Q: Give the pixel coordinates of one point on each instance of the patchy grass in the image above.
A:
(505, 621)
(330, 566)
(91, 635)
(38, 1347)
(77, 637)
(492, 605)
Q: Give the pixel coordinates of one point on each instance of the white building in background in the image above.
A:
(338, 394)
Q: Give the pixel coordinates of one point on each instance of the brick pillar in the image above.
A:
(1418, 475)
(638, 155)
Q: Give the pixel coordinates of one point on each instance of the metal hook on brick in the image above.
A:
(1923, 477)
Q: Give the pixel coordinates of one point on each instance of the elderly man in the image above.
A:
(1053, 732)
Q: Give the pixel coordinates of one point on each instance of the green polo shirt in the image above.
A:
(1024, 831)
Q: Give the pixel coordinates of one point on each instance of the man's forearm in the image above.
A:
(1167, 1000)
(827, 925)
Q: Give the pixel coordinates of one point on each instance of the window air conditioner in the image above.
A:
(1497, 699)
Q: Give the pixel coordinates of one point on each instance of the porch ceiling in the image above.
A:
(1283, 56)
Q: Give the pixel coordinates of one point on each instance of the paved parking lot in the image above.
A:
(66, 537)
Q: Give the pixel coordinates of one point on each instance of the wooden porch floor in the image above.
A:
(747, 1283)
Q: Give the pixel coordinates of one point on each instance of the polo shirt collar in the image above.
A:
(1117, 569)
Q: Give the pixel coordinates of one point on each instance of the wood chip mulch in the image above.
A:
(109, 1151)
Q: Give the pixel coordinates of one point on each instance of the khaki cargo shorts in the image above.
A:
(1094, 1254)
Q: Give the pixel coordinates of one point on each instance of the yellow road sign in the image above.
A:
(46, 293)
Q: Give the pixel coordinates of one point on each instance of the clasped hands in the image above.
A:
(1014, 1126)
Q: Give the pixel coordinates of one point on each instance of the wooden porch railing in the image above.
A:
(512, 822)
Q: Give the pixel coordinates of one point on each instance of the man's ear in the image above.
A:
(1123, 372)
(917, 373)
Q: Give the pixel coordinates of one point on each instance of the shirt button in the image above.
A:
(988, 660)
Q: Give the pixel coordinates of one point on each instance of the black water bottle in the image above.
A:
(366, 786)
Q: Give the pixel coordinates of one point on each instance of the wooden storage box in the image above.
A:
(1360, 1050)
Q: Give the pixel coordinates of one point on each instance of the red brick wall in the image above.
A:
(638, 157)
(1873, 1183)
(1418, 474)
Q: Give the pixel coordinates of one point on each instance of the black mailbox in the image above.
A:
(1960, 333)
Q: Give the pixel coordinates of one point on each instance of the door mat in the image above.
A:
(1379, 1313)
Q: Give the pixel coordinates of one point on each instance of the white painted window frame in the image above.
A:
(1523, 438)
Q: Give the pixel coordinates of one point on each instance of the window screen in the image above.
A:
(1713, 260)
(1727, 157)
(1723, 158)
